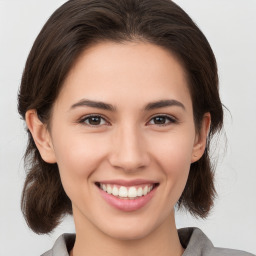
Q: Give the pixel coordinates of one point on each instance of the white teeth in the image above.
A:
(109, 189)
(140, 192)
(145, 190)
(132, 192)
(123, 192)
(115, 191)
(126, 192)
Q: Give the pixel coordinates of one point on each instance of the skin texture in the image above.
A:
(127, 143)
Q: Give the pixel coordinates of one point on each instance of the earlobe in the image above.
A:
(41, 136)
(201, 138)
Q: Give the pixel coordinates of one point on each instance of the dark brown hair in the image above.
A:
(77, 25)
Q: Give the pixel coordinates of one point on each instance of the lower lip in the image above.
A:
(127, 205)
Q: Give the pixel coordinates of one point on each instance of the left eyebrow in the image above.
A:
(163, 103)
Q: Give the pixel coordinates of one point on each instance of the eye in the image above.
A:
(162, 120)
(93, 120)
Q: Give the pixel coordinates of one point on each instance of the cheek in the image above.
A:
(76, 162)
(78, 156)
(174, 152)
(173, 155)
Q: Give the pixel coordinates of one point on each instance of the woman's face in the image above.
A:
(123, 122)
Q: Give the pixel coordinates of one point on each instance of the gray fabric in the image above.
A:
(62, 245)
(193, 240)
(198, 244)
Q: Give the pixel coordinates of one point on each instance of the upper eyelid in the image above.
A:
(164, 115)
(167, 115)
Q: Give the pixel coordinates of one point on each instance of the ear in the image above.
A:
(201, 138)
(41, 136)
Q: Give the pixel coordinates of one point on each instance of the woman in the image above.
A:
(121, 101)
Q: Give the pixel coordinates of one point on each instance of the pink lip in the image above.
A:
(127, 205)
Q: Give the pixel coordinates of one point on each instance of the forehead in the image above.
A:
(116, 71)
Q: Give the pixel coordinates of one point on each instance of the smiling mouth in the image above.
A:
(127, 192)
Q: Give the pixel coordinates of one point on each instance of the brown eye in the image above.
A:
(162, 120)
(93, 120)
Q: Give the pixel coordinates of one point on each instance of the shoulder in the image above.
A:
(62, 246)
(227, 252)
(197, 243)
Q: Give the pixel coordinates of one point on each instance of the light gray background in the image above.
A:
(230, 26)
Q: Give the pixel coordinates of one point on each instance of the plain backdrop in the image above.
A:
(229, 26)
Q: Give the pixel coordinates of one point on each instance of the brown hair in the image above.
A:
(75, 26)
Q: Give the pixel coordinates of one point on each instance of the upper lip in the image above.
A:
(127, 182)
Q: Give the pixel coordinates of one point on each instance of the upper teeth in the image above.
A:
(126, 192)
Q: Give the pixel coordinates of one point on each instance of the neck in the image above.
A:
(163, 241)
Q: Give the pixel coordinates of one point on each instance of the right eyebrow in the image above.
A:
(94, 104)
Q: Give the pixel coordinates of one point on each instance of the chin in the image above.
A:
(130, 229)
(129, 234)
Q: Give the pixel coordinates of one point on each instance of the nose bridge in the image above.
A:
(129, 151)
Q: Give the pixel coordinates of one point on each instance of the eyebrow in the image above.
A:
(94, 104)
(163, 103)
(109, 107)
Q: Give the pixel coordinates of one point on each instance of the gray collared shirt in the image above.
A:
(195, 242)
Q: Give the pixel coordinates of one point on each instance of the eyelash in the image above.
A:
(84, 119)
(170, 119)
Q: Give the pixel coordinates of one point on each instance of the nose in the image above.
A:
(129, 150)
